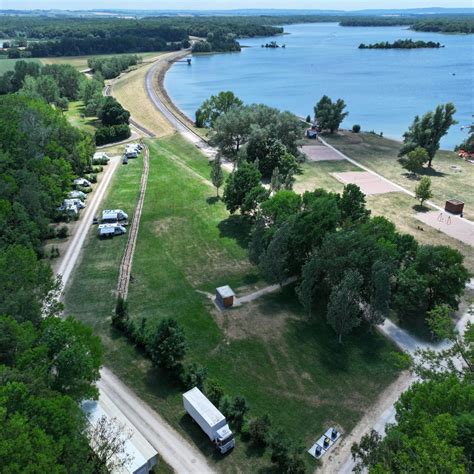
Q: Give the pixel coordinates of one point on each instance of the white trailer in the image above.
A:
(82, 182)
(113, 216)
(209, 418)
(110, 230)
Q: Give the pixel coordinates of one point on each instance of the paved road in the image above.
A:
(180, 126)
(174, 449)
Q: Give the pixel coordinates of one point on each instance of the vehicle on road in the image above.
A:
(110, 230)
(114, 216)
(82, 182)
(209, 418)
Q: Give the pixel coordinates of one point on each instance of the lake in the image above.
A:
(383, 89)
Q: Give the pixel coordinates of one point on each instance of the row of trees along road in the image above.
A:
(48, 365)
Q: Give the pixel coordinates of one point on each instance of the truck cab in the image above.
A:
(225, 440)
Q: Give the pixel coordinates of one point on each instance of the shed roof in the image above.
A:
(204, 406)
(137, 447)
(225, 291)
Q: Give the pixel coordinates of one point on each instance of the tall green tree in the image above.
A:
(217, 175)
(212, 108)
(423, 190)
(344, 311)
(328, 114)
(427, 131)
(167, 344)
(352, 205)
(112, 113)
(310, 277)
(413, 161)
(239, 184)
(273, 262)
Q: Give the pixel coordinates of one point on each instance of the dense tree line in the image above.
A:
(401, 44)
(48, 365)
(40, 153)
(113, 66)
(448, 25)
(217, 41)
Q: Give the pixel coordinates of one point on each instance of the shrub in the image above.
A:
(194, 376)
(214, 392)
(356, 128)
(259, 430)
(62, 232)
(112, 133)
(308, 118)
(54, 253)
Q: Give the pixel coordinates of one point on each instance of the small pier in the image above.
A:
(185, 60)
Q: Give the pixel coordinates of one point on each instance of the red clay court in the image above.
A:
(368, 183)
(319, 152)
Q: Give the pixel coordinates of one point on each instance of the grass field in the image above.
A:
(380, 155)
(80, 62)
(267, 351)
(75, 116)
(130, 91)
(9, 64)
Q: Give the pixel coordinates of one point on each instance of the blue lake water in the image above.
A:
(383, 89)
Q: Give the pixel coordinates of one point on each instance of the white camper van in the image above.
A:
(209, 418)
(82, 182)
(114, 216)
(111, 230)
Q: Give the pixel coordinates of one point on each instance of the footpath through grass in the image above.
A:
(267, 351)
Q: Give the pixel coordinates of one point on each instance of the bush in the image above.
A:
(308, 118)
(214, 392)
(356, 128)
(62, 232)
(113, 133)
(54, 253)
(194, 376)
(92, 178)
(97, 169)
(259, 430)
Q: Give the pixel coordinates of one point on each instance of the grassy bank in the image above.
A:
(9, 64)
(76, 117)
(80, 62)
(267, 351)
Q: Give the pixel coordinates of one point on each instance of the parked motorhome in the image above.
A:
(100, 157)
(82, 182)
(75, 202)
(131, 152)
(77, 195)
(209, 418)
(112, 216)
(68, 208)
(111, 230)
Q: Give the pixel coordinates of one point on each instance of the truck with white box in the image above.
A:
(209, 418)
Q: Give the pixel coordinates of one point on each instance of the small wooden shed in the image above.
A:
(454, 206)
(225, 296)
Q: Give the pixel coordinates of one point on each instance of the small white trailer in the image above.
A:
(82, 182)
(77, 195)
(113, 216)
(110, 230)
(209, 418)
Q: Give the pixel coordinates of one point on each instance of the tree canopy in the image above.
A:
(328, 114)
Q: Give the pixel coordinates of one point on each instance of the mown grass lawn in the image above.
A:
(380, 155)
(268, 351)
(75, 116)
(9, 64)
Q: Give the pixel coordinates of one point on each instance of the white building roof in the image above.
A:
(142, 454)
(225, 291)
(205, 408)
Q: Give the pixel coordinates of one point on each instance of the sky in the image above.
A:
(230, 4)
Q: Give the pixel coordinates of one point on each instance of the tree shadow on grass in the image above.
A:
(213, 200)
(238, 228)
(420, 208)
(431, 172)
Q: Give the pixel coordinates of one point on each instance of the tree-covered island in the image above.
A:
(402, 44)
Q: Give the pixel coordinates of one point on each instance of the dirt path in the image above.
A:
(127, 259)
(174, 449)
(264, 291)
(71, 256)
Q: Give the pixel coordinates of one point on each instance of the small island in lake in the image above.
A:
(401, 44)
(273, 44)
